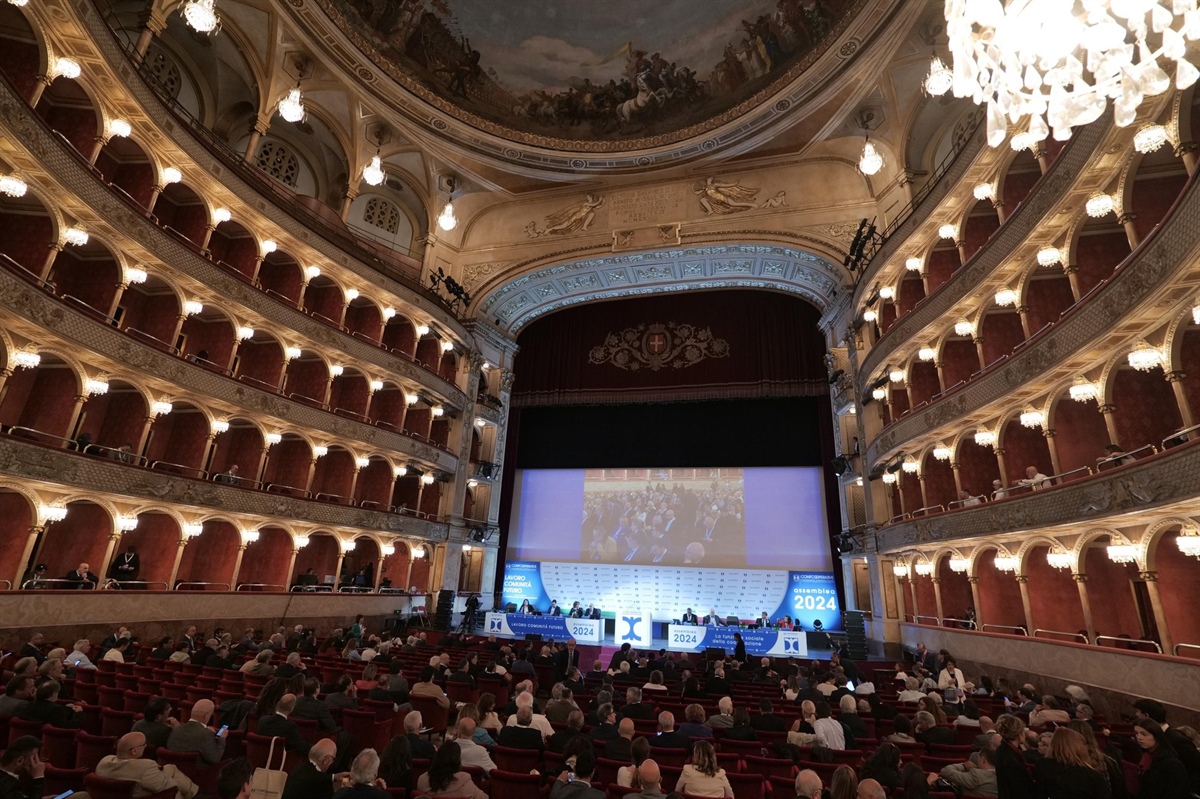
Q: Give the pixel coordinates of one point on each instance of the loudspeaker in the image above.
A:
(533, 637)
(856, 633)
(445, 610)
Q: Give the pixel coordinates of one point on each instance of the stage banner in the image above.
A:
(559, 628)
(523, 580)
(811, 596)
(634, 627)
(692, 638)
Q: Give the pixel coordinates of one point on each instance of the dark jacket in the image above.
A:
(1056, 781)
(52, 713)
(772, 723)
(933, 735)
(305, 782)
(671, 740)
(517, 737)
(619, 749)
(276, 725)
(558, 741)
(579, 789)
(361, 791)
(421, 748)
(10, 788)
(1165, 778)
(1012, 778)
(743, 733)
(605, 732)
(308, 707)
(717, 686)
(639, 710)
(858, 728)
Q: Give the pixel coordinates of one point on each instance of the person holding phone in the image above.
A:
(197, 736)
(20, 759)
(577, 784)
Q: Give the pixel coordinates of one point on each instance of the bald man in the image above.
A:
(870, 789)
(129, 763)
(278, 725)
(621, 747)
(808, 785)
(650, 778)
(196, 736)
(312, 778)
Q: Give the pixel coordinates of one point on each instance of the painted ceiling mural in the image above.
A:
(571, 71)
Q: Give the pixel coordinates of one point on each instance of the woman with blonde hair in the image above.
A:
(1068, 773)
(367, 681)
(933, 707)
(1100, 761)
(1012, 777)
(627, 776)
(704, 776)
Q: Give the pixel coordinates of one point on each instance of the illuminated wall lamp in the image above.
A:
(75, 236)
(192, 529)
(220, 215)
(964, 328)
(913, 264)
(387, 550)
(889, 478)
(119, 128)
(127, 523)
(924, 568)
(220, 426)
(1099, 205)
(422, 330)
(65, 68)
(171, 175)
(160, 408)
(336, 370)
(13, 186)
(274, 438)
(472, 483)
(1006, 297)
(1196, 314)
(351, 295)
(1049, 256)
(292, 353)
(347, 546)
(418, 553)
(910, 466)
(887, 293)
(320, 452)
(26, 359)
(927, 354)
(985, 438)
(250, 536)
(879, 394)
(1144, 357)
(897, 375)
(1188, 541)
(193, 307)
(1122, 553)
(869, 315)
(959, 564)
(1083, 390)
(301, 541)
(362, 463)
(312, 272)
(411, 399)
(428, 479)
(1033, 419)
(269, 246)
(481, 422)
(900, 569)
(389, 312)
(1059, 559)
(376, 385)
(447, 346)
(948, 231)
(52, 513)
(1006, 563)
(134, 276)
(94, 387)
(399, 471)
(984, 191)
(941, 452)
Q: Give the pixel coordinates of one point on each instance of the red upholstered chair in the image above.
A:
(512, 785)
(90, 749)
(103, 788)
(669, 757)
(111, 697)
(127, 682)
(477, 775)
(58, 746)
(769, 766)
(365, 730)
(116, 722)
(135, 701)
(420, 766)
(746, 786)
(86, 692)
(460, 692)
(383, 710)
(518, 761)
(741, 747)
(848, 757)
(606, 770)
(433, 715)
(670, 777)
(614, 791)
(961, 753)
(187, 762)
(61, 780)
(19, 727)
(782, 787)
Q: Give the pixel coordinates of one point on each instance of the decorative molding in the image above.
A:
(658, 346)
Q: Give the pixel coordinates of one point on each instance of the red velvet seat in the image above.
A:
(433, 715)
(116, 722)
(518, 761)
(606, 770)
(746, 786)
(669, 757)
(513, 785)
(58, 746)
(769, 766)
(365, 730)
(20, 727)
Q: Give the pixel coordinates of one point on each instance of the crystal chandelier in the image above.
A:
(1099, 205)
(964, 328)
(1006, 297)
(889, 478)
(66, 68)
(897, 375)
(291, 107)
(1049, 256)
(1083, 390)
(959, 564)
(1059, 559)
(984, 191)
(879, 394)
(119, 128)
(1021, 141)
(926, 353)
(1060, 65)
(1188, 541)
(75, 236)
(373, 172)
(1032, 419)
(947, 231)
(26, 359)
(924, 568)
(900, 569)
(1006, 563)
(985, 438)
(887, 293)
(913, 264)
(941, 452)
(12, 185)
(201, 15)
(869, 315)
(939, 80)
(910, 466)
(447, 220)
(1149, 138)
(1196, 314)
(870, 162)
(1122, 553)
(1144, 357)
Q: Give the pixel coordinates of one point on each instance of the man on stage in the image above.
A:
(690, 618)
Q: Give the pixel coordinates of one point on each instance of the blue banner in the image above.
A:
(692, 638)
(557, 627)
(523, 580)
(811, 596)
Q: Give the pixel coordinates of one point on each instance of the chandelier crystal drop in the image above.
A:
(1099, 205)
(1060, 62)
(941, 452)
(1122, 553)
(291, 107)
(1049, 256)
(12, 185)
(373, 172)
(1149, 138)
(939, 80)
(201, 15)
(870, 162)
(1059, 559)
(1144, 357)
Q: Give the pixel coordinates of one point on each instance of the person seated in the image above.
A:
(581, 786)
(421, 748)
(977, 778)
(554, 609)
(723, 718)
(156, 722)
(364, 778)
(621, 747)
(764, 621)
(767, 719)
(809, 785)
(526, 607)
(634, 707)
(196, 736)
(81, 577)
(279, 724)
(446, 777)
(712, 619)
(522, 735)
(427, 687)
(312, 778)
(650, 778)
(669, 737)
(561, 704)
(1034, 479)
(46, 709)
(829, 731)
(561, 739)
(1048, 712)
(130, 763)
(473, 753)
(928, 732)
(703, 776)
(22, 758)
(741, 729)
(689, 617)
(693, 725)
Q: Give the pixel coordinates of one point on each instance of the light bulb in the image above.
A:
(291, 106)
(422, 330)
(351, 295)
(870, 162)
(878, 393)
(389, 312)
(311, 272)
(869, 315)
(427, 479)
(373, 172)
(447, 346)
(269, 246)
(897, 375)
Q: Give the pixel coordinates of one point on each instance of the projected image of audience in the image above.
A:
(673, 517)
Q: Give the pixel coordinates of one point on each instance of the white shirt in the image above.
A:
(539, 721)
(1037, 482)
(79, 660)
(944, 679)
(114, 654)
(475, 755)
(830, 733)
(910, 696)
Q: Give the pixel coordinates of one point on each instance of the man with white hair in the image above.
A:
(472, 753)
(912, 691)
(364, 778)
(634, 707)
(537, 720)
(421, 748)
(312, 778)
(669, 737)
(808, 785)
(870, 789)
(78, 657)
(724, 716)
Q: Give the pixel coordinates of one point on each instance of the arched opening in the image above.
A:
(448, 367)
(1023, 447)
(910, 491)
(125, 166)
(926, 598)
(288, 466)
(16, 520)
(349, 394)
(939, 481)
(1146, 410)
(999, 594)
(358, 567)
(1189, 364)
(318, 558)
(307, 379)
(324, 300)
(955, 590)
(941, 265)
(429, 352)
(977, 467)
(406, 492)
(1179, 580)
(280, 275)
(265, 561)
(88, 277)
(82, 537)
(417, 420)
(68, 110)
(1001, 331)
(150, 311)
(1111, 593)
(1053, 596)
(1102, 244)
(1047, 295)
(380, 219)
(439, 432)
(431, 499)
(1022, 173)
(333, 478)
(178, 441)
(114, 419)
(20, 53)
(233, 246)
(400, 336)
(259, 361)
(395, 567)
(1157, 183)
(208, 338)
(923, 381)
(1080, 434)
(41, 399)
(364, 319)
(374, 486)
(241, 446)
(26, 231)
(960, 360)
(155, 542)
(180, 209)
(208, 559)
(981, 223)
(387, 407)
(419, 582)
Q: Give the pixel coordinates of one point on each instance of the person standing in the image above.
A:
(126, 565)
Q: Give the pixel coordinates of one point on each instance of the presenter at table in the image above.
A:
(525, 607)
(690, 618)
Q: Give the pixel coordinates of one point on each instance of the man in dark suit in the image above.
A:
(927, 659)
(311, 706)
(717, 685)
(690, 618)
(927, 731)
(82, 577)
(566, 659)
(126, 565)
(421, 748)
(592, 612)
(669, 737)
(20, 759)
(45, 708)
(621, 747)
(606, 728)
(463, 674)
(311, 779)
(195, 735)
(278, 724)
(634, 707)
(574, 681)
(202, 654)
(33, 649)
(522, 735)
(767, 720)
(558, 741)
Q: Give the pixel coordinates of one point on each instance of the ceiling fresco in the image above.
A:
(573, 72)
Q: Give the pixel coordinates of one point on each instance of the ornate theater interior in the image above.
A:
(322, 308)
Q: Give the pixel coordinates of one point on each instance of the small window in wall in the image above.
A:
(164, 70)
(278, 161)
(382, 214)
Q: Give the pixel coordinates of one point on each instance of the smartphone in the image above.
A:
(570, 778)
(64, 795)
(221, 731)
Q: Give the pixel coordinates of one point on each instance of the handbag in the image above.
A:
(268, 783)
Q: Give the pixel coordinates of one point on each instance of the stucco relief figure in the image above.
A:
(572, 219)
(779, 200)
(719, 197)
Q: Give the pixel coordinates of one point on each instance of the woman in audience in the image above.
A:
(880, 710)
(1068, 773)
(446, 777)
(915, 782)
(932, 707)
(692, 689)
(1161, 773)
(844, 784)
(368, 679)
(807, 710)
(969, 715)
(627, 776)
(481, 737)
(704, 777)
(1100, 761)
(656, 682)
(903, 727)
(693, 726)
(741, 729)
(849, 717)
(395, 764)
(883, 766)
(1012, 777)
(792, 689)
(488, 718)
(268, 698)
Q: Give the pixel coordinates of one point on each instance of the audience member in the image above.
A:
(1048, 712)
(562, 738)
(830, 733)
(129, 763)
(669, 737)
(279, 724)
(844, 784)
(233, 781)
(196, 736)
(1068, 772)
(312, 779)
(650, 778)
(1012, 777)
(156, 722)
(627, 776)
(446, 777)
(703, 776)
(45, 708)
(421, 748)
(974, 778)
(809, 785)
(396, 766)
(364, 778)
(741, 729)
(577, 784)
(472, 753)
(17, 694)
(724, 716)
(22, 759)
(870, 789)
(927, 731)
(426, 687)
(524, 700)
(884, 766)
(1161, 774)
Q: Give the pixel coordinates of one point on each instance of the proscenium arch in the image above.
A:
(552, 286)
